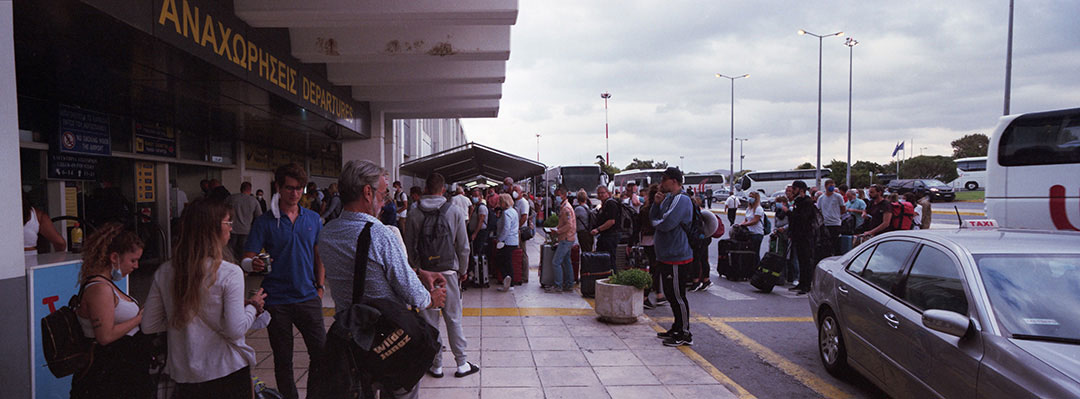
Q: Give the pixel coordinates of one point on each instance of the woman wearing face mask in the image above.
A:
(754, 215)
(198, 298)
(108, 316)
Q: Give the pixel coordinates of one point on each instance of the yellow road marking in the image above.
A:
(804, 376)
(703, 319)
(720, 377)
(938, 212)
(526, 312)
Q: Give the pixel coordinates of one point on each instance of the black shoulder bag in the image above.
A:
(378, 338)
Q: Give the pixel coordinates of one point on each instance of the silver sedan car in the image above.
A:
(955, 313)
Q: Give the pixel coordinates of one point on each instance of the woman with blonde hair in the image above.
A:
(121, 360)
(507, 240)
(198, 298)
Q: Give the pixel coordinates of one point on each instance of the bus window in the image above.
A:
(1041, 141)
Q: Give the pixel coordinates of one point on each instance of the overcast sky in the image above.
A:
(925, 72)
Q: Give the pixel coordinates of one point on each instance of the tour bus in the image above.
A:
(1033, 171)
(704, 182)
(577, 177)
(643, 177)
(971, 173)
(771, 181)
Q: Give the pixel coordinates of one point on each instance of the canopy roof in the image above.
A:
(470, 160)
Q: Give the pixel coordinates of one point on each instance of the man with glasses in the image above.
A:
(294, 286)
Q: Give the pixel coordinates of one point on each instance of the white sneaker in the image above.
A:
(506, 283)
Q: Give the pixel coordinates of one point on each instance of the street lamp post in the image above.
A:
(817, 171)
(731, 172)
(851, 43)
(741, 156)
(681, 164)
(538, 147)
(1008, 61)
(607, 146)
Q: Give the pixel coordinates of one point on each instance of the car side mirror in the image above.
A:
(945, 321)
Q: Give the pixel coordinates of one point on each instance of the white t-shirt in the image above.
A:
(732, 202)
(522, 207)
(759, 227)
(917, 220)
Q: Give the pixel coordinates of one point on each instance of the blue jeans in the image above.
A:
(564, 268)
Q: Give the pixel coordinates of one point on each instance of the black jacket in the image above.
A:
(803, 219)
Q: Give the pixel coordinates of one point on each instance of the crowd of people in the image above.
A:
(424, 245)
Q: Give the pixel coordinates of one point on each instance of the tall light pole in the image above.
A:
(607, 146)
(731, 173)
(681, 164)
(851, 43)
(741, 156)
(817, 171)
(538, 147)
(1008, 61)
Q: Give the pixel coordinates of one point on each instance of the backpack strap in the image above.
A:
(363, 244)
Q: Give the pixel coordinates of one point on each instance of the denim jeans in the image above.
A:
(564, 268)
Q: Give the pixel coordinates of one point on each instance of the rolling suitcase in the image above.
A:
(621, 258)
(768, 272)
(517, 262)
(547, 270)
(741, 265)
(846, 243)
(575, 259)
(594, 266)
(722, 263)
(480, 274)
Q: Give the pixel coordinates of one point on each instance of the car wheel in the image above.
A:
(831, 344)
(971, 186)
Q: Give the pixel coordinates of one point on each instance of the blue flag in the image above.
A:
(898, 148)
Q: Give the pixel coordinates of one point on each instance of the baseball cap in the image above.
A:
(799, 184)
(673, 173)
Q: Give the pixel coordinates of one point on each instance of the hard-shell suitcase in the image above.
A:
(480, 274)
(547, 270)
(575, 259)
(722, 264)
(594, 266)
(517, 262)
(741, 265)
(768, 272)
(846, 243)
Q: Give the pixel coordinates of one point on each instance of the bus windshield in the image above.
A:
(575, 178)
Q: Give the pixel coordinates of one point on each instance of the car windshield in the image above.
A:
(1034, 296)
(933, 183)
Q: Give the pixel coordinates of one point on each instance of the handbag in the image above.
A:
(67, 350)
(374, 338)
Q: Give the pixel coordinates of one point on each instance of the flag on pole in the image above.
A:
(898, 148)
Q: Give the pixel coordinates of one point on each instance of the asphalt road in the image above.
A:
(766, 344)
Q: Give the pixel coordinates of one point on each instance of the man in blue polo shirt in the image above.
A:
(294, 286)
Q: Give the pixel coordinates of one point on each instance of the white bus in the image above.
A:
(971, 173)
(643, 177)
(705, 182)
(575, 178)
(771, 181)
(1033, 171)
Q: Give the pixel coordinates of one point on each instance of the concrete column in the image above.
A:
(14, 320)
(372, 149)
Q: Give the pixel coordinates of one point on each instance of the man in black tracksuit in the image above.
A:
(802, 229)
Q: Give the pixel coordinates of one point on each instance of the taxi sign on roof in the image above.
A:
(982, 224)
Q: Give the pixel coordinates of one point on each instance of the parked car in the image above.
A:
(954, 313)
(937, 190)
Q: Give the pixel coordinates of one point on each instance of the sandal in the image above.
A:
(432, 373)
(473, 369)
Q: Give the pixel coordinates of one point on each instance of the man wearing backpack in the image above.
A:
(832, 209)
(437, 241)
(672, 214)
(804, 229)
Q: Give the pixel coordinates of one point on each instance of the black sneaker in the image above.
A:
(648, 305)
(694, 287)
(705, 285)
(679, 340)
(665, 334)
(661, 302)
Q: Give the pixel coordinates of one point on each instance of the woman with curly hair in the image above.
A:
(198, 298)
(108, 316)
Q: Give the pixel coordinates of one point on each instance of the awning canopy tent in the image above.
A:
(466, 162)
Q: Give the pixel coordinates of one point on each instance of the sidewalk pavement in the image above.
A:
(531, 344)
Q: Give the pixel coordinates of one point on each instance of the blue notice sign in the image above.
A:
(84, 132)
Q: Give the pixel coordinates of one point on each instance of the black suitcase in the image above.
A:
(768, 272)
(741, 265)
(594, 266)
(722, 248)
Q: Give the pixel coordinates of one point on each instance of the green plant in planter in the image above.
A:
(552, 221)
(634, 277)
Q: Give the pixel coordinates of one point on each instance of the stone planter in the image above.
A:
(616, 303)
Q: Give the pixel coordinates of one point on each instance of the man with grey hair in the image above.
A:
(461, 201)
(363, 191)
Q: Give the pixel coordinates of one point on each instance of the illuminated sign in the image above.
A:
(83, 132)
(212, 32)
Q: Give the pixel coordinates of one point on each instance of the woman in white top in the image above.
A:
(121, 360)
(35, 222)
(199, 299)
(755, 216)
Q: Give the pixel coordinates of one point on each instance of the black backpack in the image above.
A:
(434, 246)
(695, 232)
(624, 218)
(67, 350)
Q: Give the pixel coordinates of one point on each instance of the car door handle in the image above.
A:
(894, 322)
(843, 290)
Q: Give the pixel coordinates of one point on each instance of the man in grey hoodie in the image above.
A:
(671, 214)
(437, 241)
